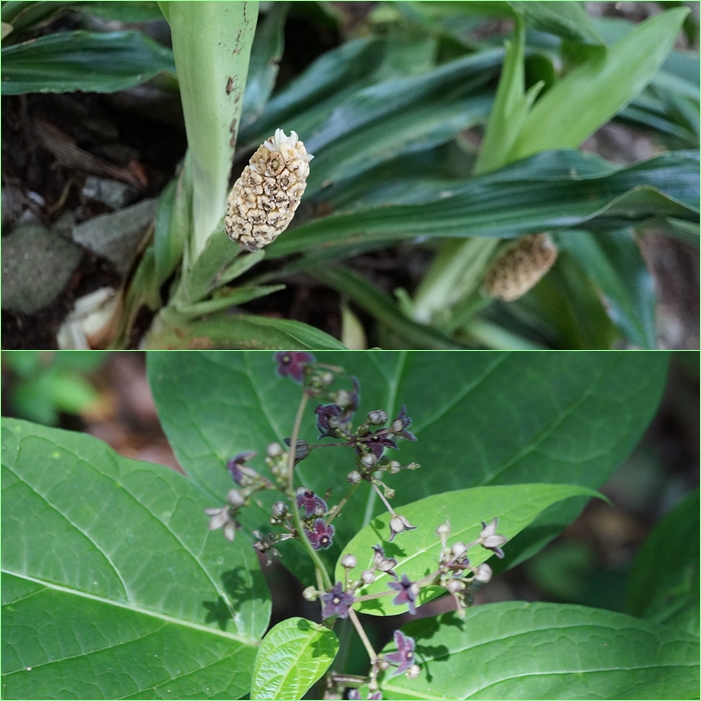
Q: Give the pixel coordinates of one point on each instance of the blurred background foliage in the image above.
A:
(654, 493)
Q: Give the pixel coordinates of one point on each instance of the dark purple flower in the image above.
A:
(399, 425)
(336, 602)
(237, 469)
(408, 591)
(301, 449)
(311, 503)
(404, 657)
(327, 418)
(377, 442)
(321, 535)
(354, 695)
(292, 363)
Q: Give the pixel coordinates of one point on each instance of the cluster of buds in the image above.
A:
(264, 199)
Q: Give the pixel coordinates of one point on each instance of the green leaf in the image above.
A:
(568, 20)
(30, 15)
(175, 331)
(612, 259)
(480, 419)
(293, 655)
(664, 583)
(211, 44)
(266, 52)
(417, 552)
(591, 94)
(131, 11)
(517, 650)
(112, 585)
(84, 61)
(554, 189)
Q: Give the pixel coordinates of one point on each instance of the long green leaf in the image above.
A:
(591, 94)
(517, 650)
(612, 259)
(112, 585)
(85, 61)
(293, 655)
(417, 552)
(554, 189)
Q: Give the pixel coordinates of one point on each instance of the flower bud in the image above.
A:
(483, 573)
(377, 418)
(458, 549)
(279, 509)
(264, 199)
(394, 467)
(349, 561)
(274, 450)
(310, 594)
(382, 664)
(373, 686)
(413, 671)
(355, 477)
(327, 378)
(443, 531)
(454, 585)
(387, 565)
(235, 498)
(397, 426)
(369, 460)
(520, 266)
(368, 577)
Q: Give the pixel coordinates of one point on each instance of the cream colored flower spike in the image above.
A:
(263, 200)
(520, 266)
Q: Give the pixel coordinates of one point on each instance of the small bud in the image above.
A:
(355, 477)
(373, 686)
(398, 524)
(368, 577)
(413, 671)
(377, 418)
(235, 498)
(382, 664)
(394, 467)
(413, 466)
(310, 594)
(387, 565)
(443, 531)
(458, 549)
(397, 426)
(369, 461)
(455, 585)
(279, 509)
(483, 573)
(349, 561)
(327, 378)
(389, 493)
(274, 450)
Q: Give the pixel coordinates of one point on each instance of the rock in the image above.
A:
(114, 194)
(36, 265)
(117, 236)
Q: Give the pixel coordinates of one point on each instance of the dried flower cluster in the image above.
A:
(263, 200)
(520, 266)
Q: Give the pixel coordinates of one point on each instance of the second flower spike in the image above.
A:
(264, 199)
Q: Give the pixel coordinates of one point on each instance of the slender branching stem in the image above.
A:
(337, 509)
(382, 496)
(361, 632)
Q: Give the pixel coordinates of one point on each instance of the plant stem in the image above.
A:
(337, 509)
(382, 496)
(354, 618)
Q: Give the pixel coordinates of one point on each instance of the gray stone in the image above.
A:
(116, 236)
(114, 194)
(36, 265)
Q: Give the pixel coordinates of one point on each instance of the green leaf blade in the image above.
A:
(115, 540)
(418, 551)
(517, 650)
(293, 656)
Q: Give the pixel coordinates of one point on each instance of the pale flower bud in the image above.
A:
(355, 477)
(279, 509)
(377, 418)
(274, 450)
(520, 266)
(458, 549)
(264, 199)
(235, 498)
(349, 561)
(369, 461)
(443, 531)
(368, 577)
(310, 594)
(483, 573)
(394, 467)
(413, 671)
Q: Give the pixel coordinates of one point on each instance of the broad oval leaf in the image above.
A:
(517, 650)
(417, 552)
(112, 585)
(86, 61)
(293, 655)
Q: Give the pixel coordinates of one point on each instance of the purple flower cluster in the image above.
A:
(320, 535)
(291, 363)
(404, 657)
(336, 602)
